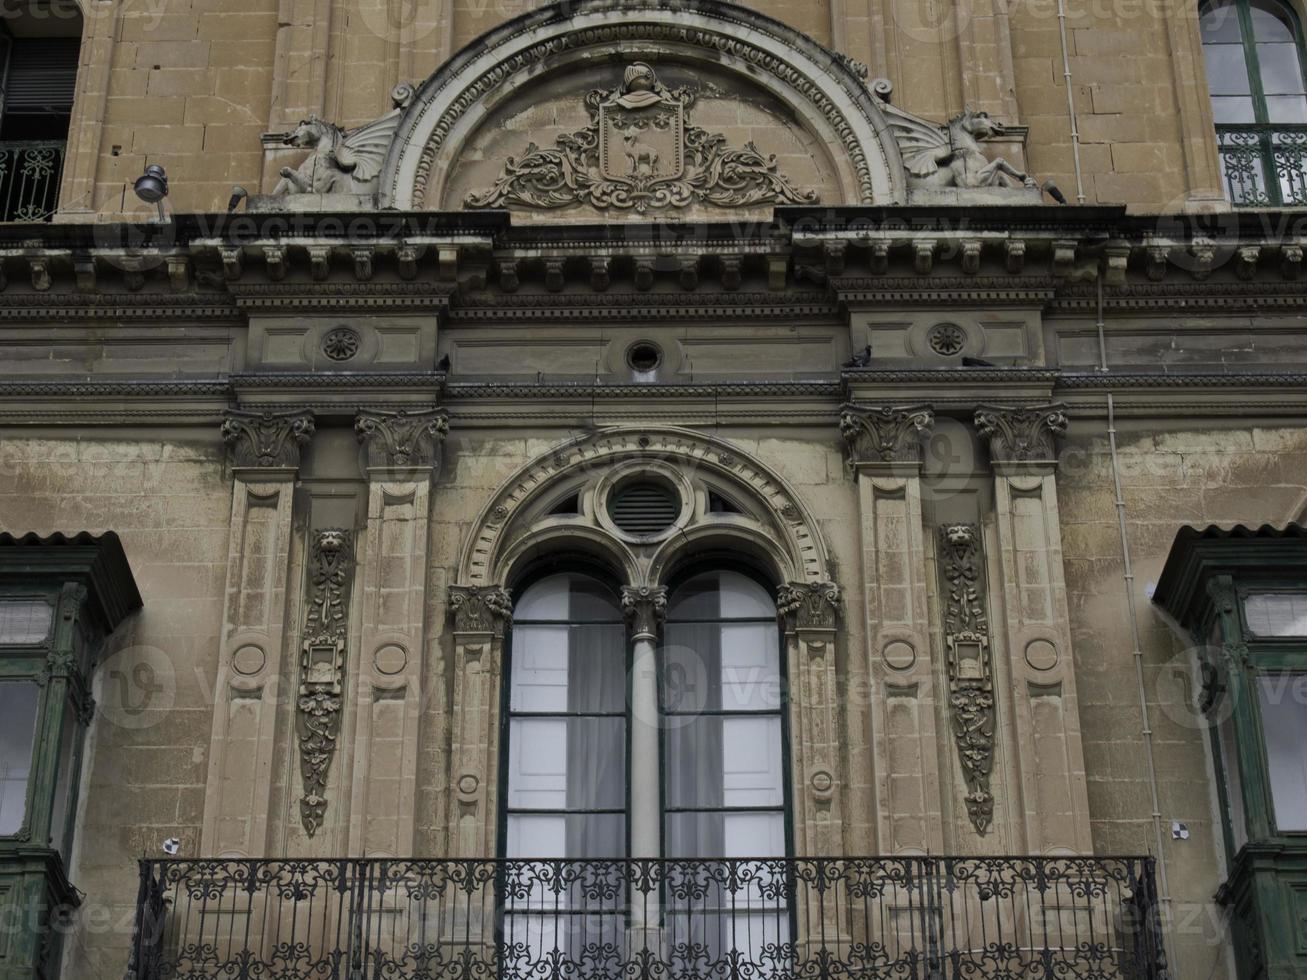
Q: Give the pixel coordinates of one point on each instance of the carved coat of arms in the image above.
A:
(640, 153)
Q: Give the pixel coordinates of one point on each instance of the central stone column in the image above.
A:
(645, 609)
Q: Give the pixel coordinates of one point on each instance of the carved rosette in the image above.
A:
(969, 664)
(885, 435)
(808, 605)
(644, 608)
(1021, 435)
(402, 439)
(322, 667)
(267, 439)
(480, 608)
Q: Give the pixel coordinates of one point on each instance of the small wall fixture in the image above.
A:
(152, 187)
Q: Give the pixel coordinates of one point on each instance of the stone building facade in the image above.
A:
(686, 444)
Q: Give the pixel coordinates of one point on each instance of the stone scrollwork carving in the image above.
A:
(402, 439)
(969, 664)
(322, 667)
(644, 608)
(342, 161)
(885, 435)
(480, 609)
(267, 439)
(640, 153)
(1021, 435)
(808, 605)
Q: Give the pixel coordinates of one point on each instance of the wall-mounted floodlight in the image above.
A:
(152, 187)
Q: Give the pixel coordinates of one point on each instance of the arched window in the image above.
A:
(566, 786)
(723, 704)
(1255, 73)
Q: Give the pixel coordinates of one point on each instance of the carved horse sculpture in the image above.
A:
(950, 155)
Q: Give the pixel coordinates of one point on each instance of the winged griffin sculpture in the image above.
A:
(940, 156)
(342, 161)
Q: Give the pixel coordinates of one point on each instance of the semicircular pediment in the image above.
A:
(607, 109)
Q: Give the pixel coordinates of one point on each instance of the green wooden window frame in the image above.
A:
(1263, 162)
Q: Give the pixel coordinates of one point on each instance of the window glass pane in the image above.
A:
(1283, 700)
(1281, 69)
(726, 834)
(65, 793)
(733, 762)
(540, 661)
(566, 835)
(1233, 109)
(1286, 109)
(1233, 782)
(1227, 70)
(1220, 22)
(18, 702)
(1271, 21)
(24, 622)
(751, 667)
(544, 752)
(721, 595)
(546, 599)
(743, 598)
(1276, 613)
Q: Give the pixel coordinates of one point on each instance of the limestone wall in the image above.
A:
(194, 85)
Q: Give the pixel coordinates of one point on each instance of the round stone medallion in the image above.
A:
(900, 655)
(248, 660)
(390, 659)
(1041, 654)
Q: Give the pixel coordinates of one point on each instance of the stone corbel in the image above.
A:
(1022, 438)
(885, 437)
(267, 442)
(402, 442)
(480, 615)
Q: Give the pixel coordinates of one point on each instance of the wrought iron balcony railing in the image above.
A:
(1264, 166)
(817, 919)
(30, 171)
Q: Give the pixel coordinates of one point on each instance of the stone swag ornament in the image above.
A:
(641, 154)
(322, 667)
(969, 664)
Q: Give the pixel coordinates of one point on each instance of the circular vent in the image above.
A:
(644, 508)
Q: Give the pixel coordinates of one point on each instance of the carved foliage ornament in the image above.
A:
(480, 609)
(644, 609)
(266, 439)
(1021, 435)
(322, 666)
(969, 664)
(640, 153)
(885, 435)
(808, 605)
(402, 439)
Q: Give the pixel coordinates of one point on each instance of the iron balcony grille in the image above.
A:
(1263, 165)
(817, 919)
(30, 171)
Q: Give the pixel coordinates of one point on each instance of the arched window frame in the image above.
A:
(1263, 163)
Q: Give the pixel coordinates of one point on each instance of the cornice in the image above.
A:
(117, 306)
(945, 290)
(334, 297)
(215, 388)
(1195, 296)
(342, 379)
(457, 391)
(641, 306)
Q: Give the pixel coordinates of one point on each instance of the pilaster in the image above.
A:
(1047, 754)
(480, 615)
(252, 650)
(885, 453)
(809, 612)
(401, 457)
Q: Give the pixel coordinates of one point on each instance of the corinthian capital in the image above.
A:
(1021, 435)
(808, 605)
(645, 608)
(403, 440)
(267, 439)
(885, 435)
(480, 608)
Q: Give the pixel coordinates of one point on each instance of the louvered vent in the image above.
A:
(644, 508)
(42, 75)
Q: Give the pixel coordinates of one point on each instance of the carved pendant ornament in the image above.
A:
(641, 154)
(969, 664)
(322, 666)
